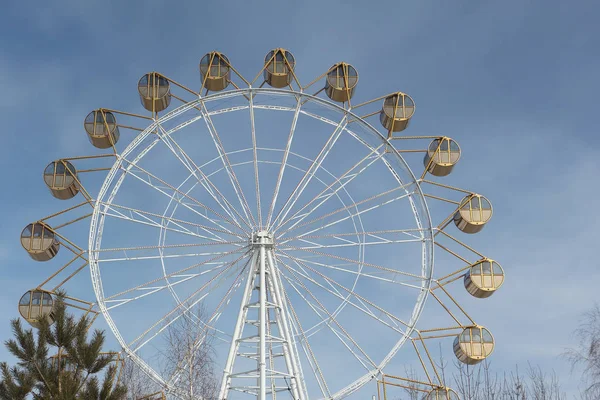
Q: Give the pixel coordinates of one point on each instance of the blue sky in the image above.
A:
(514, 82)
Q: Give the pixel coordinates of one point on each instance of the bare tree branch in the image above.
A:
(190, 355)
(586, 354)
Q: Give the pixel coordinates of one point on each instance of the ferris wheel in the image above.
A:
(288, 212)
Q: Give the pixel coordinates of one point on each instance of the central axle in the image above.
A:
(262, 239)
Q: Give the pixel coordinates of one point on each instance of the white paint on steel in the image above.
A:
(262, 259)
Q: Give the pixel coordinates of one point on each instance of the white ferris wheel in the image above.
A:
(287, 212)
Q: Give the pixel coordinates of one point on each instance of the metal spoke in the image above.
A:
(175, 190)
(328, 317)
(349, 271)
(284, 161)
(162, 256)
(223, 155)
(168, 246)
(256, 178)
(155, 289)
(374, 234)
(351, 215)
(340, 307)
(314, 365)
(146, 220)
(297, 192)
(360, 298)
(365, 264)
(204, 180)
(332, 289)
(313, 245)
(181, 304)
(119, 215)
(214, 317)
(179, 272)
(347, 177)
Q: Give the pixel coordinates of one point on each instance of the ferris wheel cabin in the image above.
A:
(155, 92)
(35, 305)
(279, 67)
(61, 178)
(442, 394)
(341, 81)
(396, 112)
(101, 127)
(215, 71)
(484, 278)
(473, 213)
(442, 154)
(40, 242)
(474, 344)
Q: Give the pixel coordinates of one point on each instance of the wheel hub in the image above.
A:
(262, 239)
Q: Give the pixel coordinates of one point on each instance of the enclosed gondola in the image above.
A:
(279, 67)
(40, 242)
(396, 112)
(35, 305)
(341, 82)
(155, 92)
(483, 278)
(442, 394)
(473, 213)
(101, 127)
(473, 345)
(61, 178)
(441, 157)
(215, 71)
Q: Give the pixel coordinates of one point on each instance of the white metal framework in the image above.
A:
(271, 310)
(281, 228)
(311, 248)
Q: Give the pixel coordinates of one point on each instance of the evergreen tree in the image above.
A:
(71, 373)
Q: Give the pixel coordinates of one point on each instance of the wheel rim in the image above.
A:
(143, 145)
